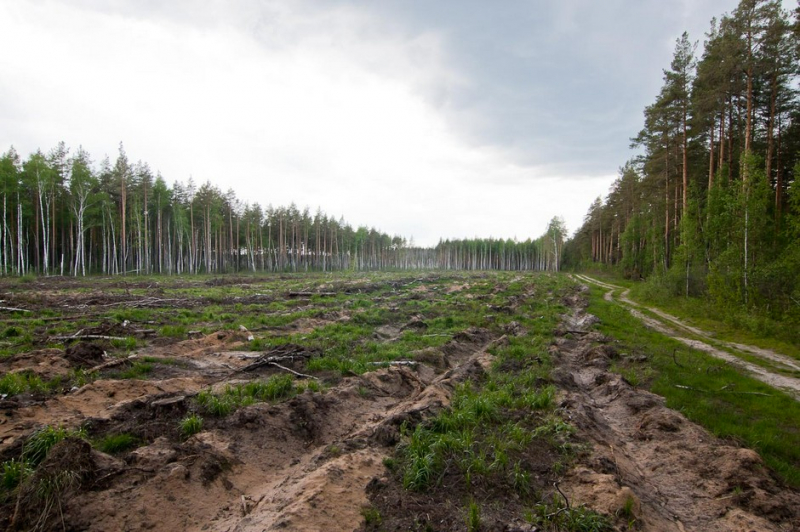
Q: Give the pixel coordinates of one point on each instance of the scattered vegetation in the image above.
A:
(234, 397)
(191, 425)
(117, 443)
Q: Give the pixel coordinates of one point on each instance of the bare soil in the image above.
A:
(676, 475)
(315, 461)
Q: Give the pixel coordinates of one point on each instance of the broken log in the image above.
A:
(14, 309)
(87, 337)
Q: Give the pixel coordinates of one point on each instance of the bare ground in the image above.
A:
(315, 461)
(677, 476)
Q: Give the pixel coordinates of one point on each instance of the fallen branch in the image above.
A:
(577, 332)
(675, 359)
(14, 309)
(562, 494)
(722, 390)
(293, 372)
(395, 363)
(87, 337)
(109, 364)
(309, 294)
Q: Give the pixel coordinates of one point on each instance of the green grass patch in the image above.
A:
(138, 370)
(275, 388)
(117, 443)
(191, 425)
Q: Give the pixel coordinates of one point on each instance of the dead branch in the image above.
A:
(106, 365)
(14, 309)
(309, 294)
(293, 372)
(87, 337)
(394, 363)
(562, 494)
(675, 359)
(723, 389)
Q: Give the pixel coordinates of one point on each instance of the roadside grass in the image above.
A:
(731, 325)
(728, 324)
(712, 393)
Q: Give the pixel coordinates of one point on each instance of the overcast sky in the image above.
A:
(423, 118)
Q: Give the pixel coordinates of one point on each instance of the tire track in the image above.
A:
(665, 323)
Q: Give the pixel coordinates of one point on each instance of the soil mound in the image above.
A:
(84, 355)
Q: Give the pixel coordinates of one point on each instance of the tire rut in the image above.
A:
(665, 322)
(668, 472)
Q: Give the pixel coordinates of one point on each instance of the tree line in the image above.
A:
(711, 206)
(63, 215)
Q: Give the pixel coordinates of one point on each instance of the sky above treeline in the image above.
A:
(425, 119)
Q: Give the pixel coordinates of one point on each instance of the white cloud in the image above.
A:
(282, 101)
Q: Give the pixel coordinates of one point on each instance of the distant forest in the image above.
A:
(712, 207)
(63, 216)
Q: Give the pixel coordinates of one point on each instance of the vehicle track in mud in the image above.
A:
(676, 475)
(666, 324)
(300, 464)
(307, 463)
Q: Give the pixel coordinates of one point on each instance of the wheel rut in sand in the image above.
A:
(302, 465)
(671, 474)
(665, 323)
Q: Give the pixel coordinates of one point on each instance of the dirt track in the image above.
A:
(666, 324)
(679, 476)
(312, 462)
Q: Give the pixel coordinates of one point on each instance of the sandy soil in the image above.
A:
(676, 475)
(311, 463)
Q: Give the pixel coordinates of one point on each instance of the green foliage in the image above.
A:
(191, 425)
(13, 473)
(138, 370)
(275, 388)
(117, 443)
(173, 331)
(21, 382)
(372, 516)
(11, 332)
(473, 519)
(555, 516)
(35, 449)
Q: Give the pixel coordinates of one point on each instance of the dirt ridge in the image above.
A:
(671, 474)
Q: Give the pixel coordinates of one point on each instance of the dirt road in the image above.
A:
(703, 341)
(673, 475)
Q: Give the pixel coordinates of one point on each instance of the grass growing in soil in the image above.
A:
(234, 397)
(501, 435)
(14, 471)
(117, 443)
(717, 396)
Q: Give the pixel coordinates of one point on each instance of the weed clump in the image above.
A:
(191, 425)
(234, 397)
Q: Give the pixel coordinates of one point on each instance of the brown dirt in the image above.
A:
(313, 462)
(677, 476)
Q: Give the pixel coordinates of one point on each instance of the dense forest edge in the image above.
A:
(708, 214)
(61, 215)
